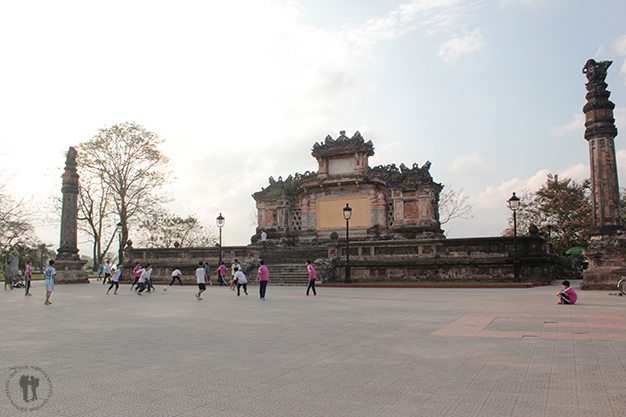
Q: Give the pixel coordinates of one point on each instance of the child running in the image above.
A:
(201, 279)
(115, 280)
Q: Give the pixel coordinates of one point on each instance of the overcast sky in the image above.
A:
(491, 92)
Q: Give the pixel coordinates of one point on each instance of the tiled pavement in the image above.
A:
(347, 352)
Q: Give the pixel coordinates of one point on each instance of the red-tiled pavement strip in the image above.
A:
(473, 325)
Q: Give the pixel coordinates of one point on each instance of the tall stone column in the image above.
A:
(69, 267)
(607, 248)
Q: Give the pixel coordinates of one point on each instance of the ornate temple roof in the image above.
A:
(403, 177)
(342, 145)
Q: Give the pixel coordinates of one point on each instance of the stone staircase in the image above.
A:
(288, 274)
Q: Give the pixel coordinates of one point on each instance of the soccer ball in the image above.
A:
(164, 288)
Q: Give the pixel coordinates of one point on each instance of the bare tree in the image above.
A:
(453, 205)
(164, 230)
(94, 214)
(127, 159)
(15, 222)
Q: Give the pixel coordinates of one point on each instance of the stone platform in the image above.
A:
(346, 352)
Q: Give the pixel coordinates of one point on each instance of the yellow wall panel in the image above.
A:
(330, 212)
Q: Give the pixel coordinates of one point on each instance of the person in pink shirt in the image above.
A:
(28, 273)
(263, 279)
(312, 278)
(568, 295)
(221, 273)
(137, 270)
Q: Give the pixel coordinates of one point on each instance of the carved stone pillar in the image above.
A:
(607, 248)
(69, 267)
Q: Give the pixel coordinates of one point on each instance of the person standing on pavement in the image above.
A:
(201, 280)
(51, 279)
(28, 274)
(263, 279)
(8, 276)
(115, 279)
(176, 275)
(107, 272)
(221, 273)
(242, 281)
(312, 278)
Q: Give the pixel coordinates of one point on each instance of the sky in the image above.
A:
(490, 92)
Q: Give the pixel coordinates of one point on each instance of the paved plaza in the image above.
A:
(346, 352)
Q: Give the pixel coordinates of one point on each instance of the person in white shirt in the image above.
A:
(242, 281)
(177, 275)
(201, 279)
(115, 280)
(233, 268)
(144, 279)
(263, 238)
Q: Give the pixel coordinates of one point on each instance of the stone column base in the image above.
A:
(607, 262)
(71, 272)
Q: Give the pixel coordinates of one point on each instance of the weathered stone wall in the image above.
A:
(472, 259)
(475, 259)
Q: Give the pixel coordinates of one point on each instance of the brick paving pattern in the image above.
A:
(347, 352)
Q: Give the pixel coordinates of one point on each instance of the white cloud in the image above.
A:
(578, 124)
(461, 45)
(405, 18)
(468, 163)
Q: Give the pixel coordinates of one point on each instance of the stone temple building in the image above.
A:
(387, 202)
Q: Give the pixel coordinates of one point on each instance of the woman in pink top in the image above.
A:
(28, 273)
(312, 278)
(568, 295)
(263, 278)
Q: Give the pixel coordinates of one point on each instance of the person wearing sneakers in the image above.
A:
(242, 281)
(201, 279)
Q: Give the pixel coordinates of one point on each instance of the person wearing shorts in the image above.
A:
(115, 280)
(51, 279)
(201, 280)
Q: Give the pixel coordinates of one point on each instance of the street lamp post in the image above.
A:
(514, 205)
(220, 223)
(347, 213)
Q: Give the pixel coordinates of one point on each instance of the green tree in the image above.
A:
(566, 203)
(162, 230)
(127, 160)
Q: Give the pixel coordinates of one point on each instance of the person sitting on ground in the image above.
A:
(568, 295)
